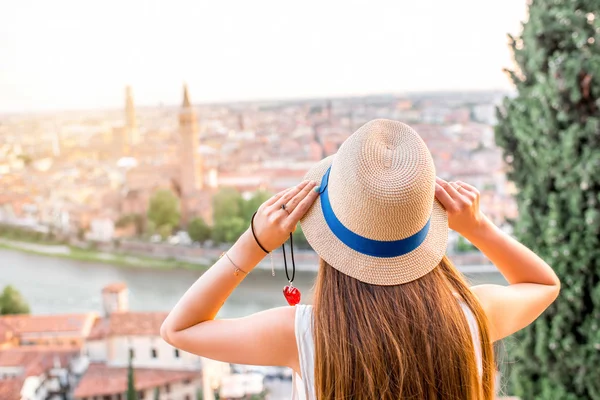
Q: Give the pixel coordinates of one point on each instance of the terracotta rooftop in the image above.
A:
(36, 359)
(21, 324)
(100, 329)
(136, 323)
(10, 389)
(128, 323)
(15, 358)
(102, 380)
(114, 287)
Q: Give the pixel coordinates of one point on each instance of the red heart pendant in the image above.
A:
(292, 295)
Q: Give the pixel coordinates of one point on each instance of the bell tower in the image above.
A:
(131, 127)
(191, 174)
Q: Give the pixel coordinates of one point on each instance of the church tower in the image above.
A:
(131, 127)
(191, 174)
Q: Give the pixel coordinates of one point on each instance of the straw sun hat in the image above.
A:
(376, 218)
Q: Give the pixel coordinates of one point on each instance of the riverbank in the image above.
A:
(140, 254)
(81, 254)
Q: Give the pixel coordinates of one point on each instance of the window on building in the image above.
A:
(141, 394)
(107, 397)
(131, 353)
(119, 396)
(154, 353)
(176, 353)
(168, 388)
(188, 397)
(187, 381)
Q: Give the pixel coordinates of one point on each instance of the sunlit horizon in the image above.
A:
(72, 56)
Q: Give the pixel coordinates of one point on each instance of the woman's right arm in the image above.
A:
(533, 284)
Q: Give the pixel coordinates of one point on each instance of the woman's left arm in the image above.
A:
(265, 338)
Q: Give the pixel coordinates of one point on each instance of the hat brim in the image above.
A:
(384, 271)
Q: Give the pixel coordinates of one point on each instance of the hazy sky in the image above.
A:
(80, 54)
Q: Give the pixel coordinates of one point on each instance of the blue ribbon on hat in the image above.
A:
(361, 244)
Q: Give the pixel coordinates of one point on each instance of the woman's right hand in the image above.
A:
(272, 224)
(461, 202)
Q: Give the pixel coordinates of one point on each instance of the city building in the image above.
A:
(86, 357)
(40, 355)
(121, 335)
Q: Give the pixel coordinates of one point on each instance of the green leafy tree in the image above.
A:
(261, 396)
(251, 205)
(156, 394)
(550, 133)
(232, 214)
(12, 302)
(123, 221)
(464, 246)
(131, 394)
(227, 230)
(300, 241)
(198, 230)
(129, 219)
(150, 228)
(227, 202)
(164, 209)
(165, 231)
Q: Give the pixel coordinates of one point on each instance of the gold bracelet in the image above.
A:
(237, 270)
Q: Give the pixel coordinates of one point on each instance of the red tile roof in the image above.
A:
(10, 389)
(36, 359)
(126, 323)
(100, 330)
(136, 323)
(16, 358)
(20, 324)
(103, 380)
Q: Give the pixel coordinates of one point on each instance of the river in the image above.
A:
(54, 285)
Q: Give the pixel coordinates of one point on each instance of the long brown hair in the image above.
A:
(409, 341)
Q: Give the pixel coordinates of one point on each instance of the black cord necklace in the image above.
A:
(285, 260)
(291, 293)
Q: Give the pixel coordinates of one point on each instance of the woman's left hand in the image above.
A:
(273, 224)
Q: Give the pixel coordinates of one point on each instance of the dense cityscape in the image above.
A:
(80, 172)
(83, 179)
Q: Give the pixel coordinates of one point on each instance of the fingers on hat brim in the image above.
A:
(374, 270)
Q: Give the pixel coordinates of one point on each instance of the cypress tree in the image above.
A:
(550, 133)
(131, 394)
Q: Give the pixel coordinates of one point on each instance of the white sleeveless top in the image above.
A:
(304, 388)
